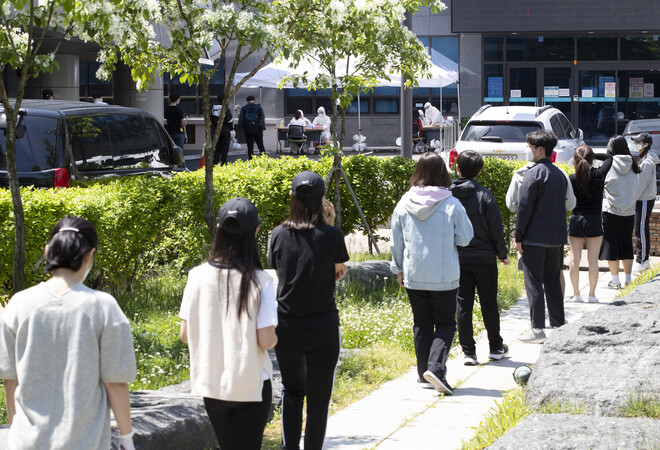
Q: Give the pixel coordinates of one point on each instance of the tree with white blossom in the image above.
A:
(198, 35)
(24, 27)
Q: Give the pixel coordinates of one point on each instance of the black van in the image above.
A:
(58, 141)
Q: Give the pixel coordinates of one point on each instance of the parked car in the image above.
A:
(501, 131)
(652, 127)
(58, 141)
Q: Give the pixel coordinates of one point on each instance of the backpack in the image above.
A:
(251, 118)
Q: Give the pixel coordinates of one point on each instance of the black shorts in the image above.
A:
(585, 226)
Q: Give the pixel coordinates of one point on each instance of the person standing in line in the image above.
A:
(228, 319)
(252, 120)
(478, 259)
(308, 254)
(619, 198)
(585, 225)
(97, 97)
(222, 146)
(540, 235)
(648, 189)
(175, 122)
(66, 353)
(427, 225)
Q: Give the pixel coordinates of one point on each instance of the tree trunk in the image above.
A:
(18, 278)
(207, 151)
(336, 165)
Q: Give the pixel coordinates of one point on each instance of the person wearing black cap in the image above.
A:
(308, 253)
(228, 319)
(648, 189)
(47, 94)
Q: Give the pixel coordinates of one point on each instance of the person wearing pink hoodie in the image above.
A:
(427, 225)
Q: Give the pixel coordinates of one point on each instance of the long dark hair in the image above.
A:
(618, 146)
(69, 242)
(583, 158)
(304, 214)
(238, 251)
(431, 171)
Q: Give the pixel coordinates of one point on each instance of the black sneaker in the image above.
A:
(499, 354)
(424, 384)
(470, 359)
(440, 385)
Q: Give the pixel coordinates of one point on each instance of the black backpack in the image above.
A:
(251, 118)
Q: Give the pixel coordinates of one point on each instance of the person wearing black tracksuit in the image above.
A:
(478, 259)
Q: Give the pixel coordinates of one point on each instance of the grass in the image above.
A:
(642, 405)
(640, 279)
(366, 256)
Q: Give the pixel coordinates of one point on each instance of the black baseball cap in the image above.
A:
(47, 93)
(238, 216)
(643, 138)
(307, 185)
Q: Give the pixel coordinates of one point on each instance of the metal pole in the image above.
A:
(406, 108)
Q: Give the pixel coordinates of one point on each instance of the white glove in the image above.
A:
(126, 441)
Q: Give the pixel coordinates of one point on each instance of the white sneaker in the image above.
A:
(574, 299)
(637, 267)
(533, 336)
(646, 265)
(593, 300)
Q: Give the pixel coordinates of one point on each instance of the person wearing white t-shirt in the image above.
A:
(298, 119)
(228, 319)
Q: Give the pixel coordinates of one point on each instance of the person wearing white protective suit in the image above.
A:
(324, 121)
(432, 115)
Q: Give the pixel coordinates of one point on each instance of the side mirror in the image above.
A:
(580, 135)
(176, 156)
(20, 132)
(3, 121)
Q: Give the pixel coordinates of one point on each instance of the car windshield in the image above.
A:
(38, 149)
(638, 126)
(499, 131)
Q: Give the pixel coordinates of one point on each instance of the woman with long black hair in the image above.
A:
(66, 353)
(648, 189)
(620, 195)
(308, 253)
(228, 318)
(586, 222)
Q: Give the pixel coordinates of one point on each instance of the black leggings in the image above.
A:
(308, 359)
(240, 425)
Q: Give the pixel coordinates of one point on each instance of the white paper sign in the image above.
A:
(587, 93)
(516, 93)
(564, 92)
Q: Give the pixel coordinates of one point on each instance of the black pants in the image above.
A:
(222, 149)
(541, 269)
(250, 139)
(643, 210)
(483, 277)
(240, 425)
(308, 359)
(434, 327)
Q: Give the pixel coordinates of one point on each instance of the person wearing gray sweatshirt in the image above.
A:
(427, 225)
(648, 189)
(619, 197)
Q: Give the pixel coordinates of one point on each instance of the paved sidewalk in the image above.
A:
(401, 415)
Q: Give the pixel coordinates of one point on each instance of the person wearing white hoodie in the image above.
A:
(648, 189)
(427, 225)
(619, 197)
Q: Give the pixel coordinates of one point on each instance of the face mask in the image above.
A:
(638, 146)
(88, 270)
(529, 155)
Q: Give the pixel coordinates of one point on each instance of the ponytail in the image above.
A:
(583, 158)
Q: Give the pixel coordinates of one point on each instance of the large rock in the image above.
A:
(372, 274)
(564, 431)
(604, 359)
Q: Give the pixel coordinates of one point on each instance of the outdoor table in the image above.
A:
(313, 135)
(432, 132)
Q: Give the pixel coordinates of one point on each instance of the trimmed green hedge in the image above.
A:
(147, 222)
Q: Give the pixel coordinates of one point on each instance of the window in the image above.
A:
(191, 96)
(557, 128)
(596, 48)
(89, 83)
(641, 48)
(539, 48)
(90, 142)
(499, 132)
(493, 48)
(39, 149)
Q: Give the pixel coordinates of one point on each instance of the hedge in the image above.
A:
(146, 222)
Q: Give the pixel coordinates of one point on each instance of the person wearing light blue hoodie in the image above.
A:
(427, 225)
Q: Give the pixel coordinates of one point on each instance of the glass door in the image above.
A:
(597, 105)
(522, 86)
(557, 89)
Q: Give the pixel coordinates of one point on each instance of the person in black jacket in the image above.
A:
(222, 146)
(541, 235)
(252, 120)
(478, 259)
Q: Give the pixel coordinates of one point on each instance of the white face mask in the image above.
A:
(88, 270)
(638, 146)
(529, 155)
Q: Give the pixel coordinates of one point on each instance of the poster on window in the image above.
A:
(636, 87)
(610, 90)
(495, 88)
(649, 90)
(551, 91)
(601, 85)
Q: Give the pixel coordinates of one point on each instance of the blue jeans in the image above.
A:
(179, 139)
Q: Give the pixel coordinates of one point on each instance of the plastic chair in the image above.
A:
(297, 139)
(419, 140)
